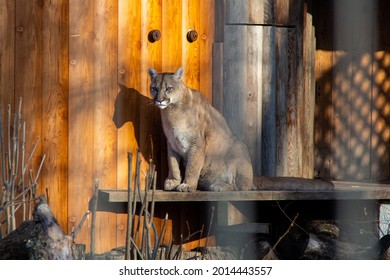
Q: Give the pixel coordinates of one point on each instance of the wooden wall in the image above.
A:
(81, 68)
(352, 89)
(264, 82)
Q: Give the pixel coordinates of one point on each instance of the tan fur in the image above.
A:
(197, 133)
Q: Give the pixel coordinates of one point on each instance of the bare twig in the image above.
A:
(271, 253)
(78, 228)
(162, 235)
(129, 207)
(93, 222)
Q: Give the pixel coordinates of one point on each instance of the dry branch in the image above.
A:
(14, 167)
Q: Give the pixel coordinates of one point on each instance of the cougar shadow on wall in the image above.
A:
(133, 107)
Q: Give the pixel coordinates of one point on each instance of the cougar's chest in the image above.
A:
(179, 134)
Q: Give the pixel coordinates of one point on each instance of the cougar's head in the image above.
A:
(166, 88)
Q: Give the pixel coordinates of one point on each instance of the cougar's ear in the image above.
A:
(152, 73)
(178, 74)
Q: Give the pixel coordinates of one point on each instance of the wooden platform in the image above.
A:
(342, 191)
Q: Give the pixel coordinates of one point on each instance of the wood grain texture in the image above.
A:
(172, 28)
(217, 75)
(55, 107)
(105, 90)
(253, 96)
(234, 77)
(292, 114)
(268, 143)
(28, 66)
(80, 130)
(263, 12)
(206, 40)
(191, 51)
(309, 97)
(281, 101)
(7, 53)
(129, 69)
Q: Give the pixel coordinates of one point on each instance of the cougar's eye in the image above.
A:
(154, 89)
(168, 89)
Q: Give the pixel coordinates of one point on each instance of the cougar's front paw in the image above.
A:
(171, 184)
(185, 188)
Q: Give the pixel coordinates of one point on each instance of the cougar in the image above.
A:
(199, 137)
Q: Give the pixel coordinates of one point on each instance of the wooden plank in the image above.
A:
(268, 130)
(55, 107)
(191, 51)
(80, 130)
(206, 34)
(343, 190)
(262, 12)
(300, 93)
(308, 96)
(292, 117)
(151, 138)
(105, 90)
(7, 54)
(281, 101)
(129, 70)
(250, 12)
(172, 37)
(217, 75)
(234, 77)
(7, 57)
(28, 72)
(219, 20)
(256, 81)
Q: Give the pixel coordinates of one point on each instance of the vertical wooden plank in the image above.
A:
(219, 20)
(105, 90)
(7, 74)
(268, 142)
(234, 77)
(281, 101)
(250, 12)
(253, 96)
(282, 12)
(217, 75)
(236, 11)
(129, 70)
(152, 132)
(292, 118)
(308, 97)
(191, 50)
(7, 53)
(206, 33)
(300, 87)
(80, 129)
(55, 107)
(172, 35)
(28, 70)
